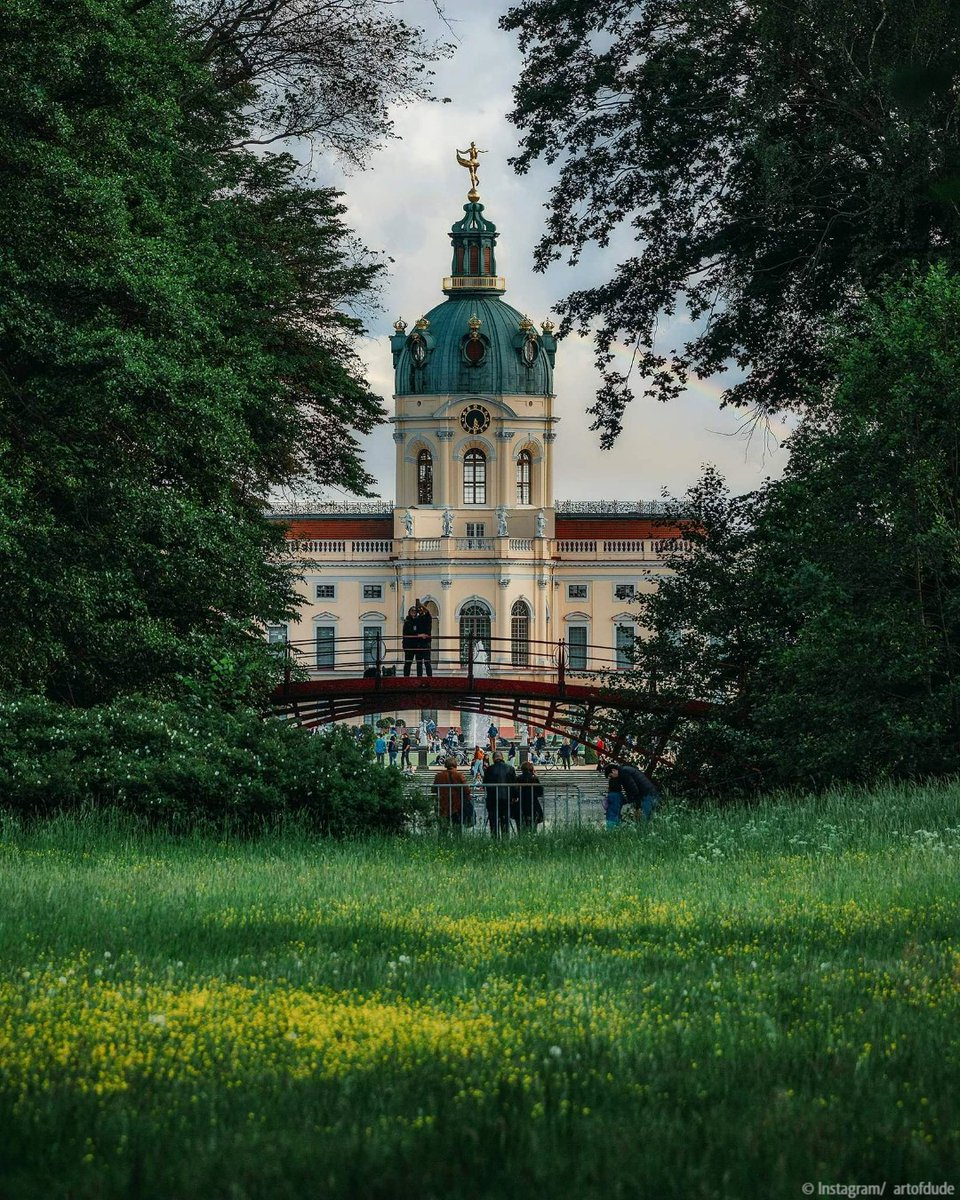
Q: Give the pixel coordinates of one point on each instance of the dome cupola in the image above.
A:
(473, 342)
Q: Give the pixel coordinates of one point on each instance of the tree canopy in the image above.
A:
(326, 70)
(822, 613)
(772, 161)
(175, 339)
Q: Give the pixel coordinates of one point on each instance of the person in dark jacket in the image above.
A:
(423, 625)
(499, 779)
(636, 787)
(454, 804)
(527, 808)
(410, 640)
(613, 801)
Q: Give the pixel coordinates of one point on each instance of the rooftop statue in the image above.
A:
(471, 160)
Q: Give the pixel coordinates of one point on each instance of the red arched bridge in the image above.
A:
(570, 690)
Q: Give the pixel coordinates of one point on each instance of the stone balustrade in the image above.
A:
(344, 549)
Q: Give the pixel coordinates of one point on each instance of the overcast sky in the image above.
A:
(405, 203)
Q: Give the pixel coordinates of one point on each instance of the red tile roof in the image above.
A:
(612, 525)
(345, 526)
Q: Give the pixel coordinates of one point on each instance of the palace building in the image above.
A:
(475, 532)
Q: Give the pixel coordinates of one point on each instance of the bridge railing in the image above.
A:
(381, 656)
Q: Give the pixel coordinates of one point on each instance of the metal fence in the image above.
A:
(510, 809)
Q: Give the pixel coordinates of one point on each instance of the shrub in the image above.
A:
(178, 766)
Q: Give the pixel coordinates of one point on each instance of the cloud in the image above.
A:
(405, 203)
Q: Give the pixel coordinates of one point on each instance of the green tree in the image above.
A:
(822, 613)
(173, 342)
(331, 71)
(772, 162)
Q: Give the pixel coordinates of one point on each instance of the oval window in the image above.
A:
(475, 351)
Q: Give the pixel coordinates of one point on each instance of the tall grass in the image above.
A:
(725, 1004)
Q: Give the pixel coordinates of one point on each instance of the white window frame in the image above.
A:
(577, 621)
(477, 485)
(625, 583)
(318, 625)
(380, 591)
(371, 626)
(586, 591)
(618, 624)
(325, 584)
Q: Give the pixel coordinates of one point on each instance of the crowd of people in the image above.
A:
(516, 800)
(512, 795)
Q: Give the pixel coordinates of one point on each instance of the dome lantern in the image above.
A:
(473, 342)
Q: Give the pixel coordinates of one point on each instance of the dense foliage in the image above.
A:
(822, 612)
(179, 767)
(174, 339)
(771, 161)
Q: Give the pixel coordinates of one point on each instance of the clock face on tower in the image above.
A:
(475, 419)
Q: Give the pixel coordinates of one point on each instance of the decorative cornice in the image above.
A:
(644, 508)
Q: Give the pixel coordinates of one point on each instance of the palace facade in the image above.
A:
(475, 532)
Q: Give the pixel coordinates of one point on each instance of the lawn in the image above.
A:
(727, 1004)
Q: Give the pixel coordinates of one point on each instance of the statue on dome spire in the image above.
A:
(471, 160)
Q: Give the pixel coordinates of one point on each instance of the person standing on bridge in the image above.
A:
(565, 754)
(411, 640)
(499, 779)
(423, 631)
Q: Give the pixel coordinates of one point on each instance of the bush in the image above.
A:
(178, 766)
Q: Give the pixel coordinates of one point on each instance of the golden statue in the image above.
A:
(471, 160)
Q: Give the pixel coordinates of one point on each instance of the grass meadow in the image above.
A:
(727, 1004)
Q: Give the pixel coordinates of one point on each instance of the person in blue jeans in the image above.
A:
(636, 788)
(380, 748)
(614, 800)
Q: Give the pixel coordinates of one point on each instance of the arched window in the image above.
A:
(474, 260)
(520, 634)
(424, 477)
(486, 260)
(474, 477)
(524, 461)
(474, 627)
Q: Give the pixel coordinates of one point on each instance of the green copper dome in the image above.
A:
(474, 342)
